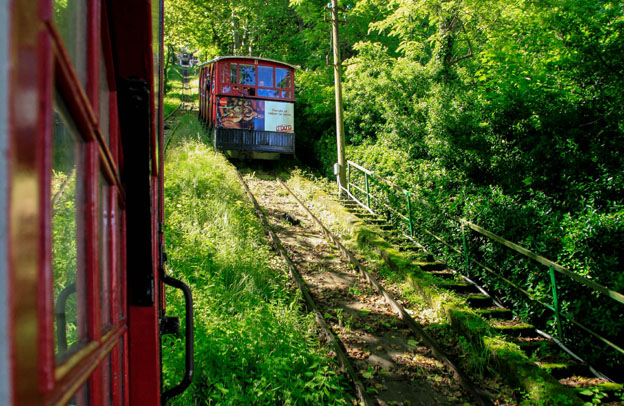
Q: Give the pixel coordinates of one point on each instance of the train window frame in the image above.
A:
(229, 83)
(98, 128)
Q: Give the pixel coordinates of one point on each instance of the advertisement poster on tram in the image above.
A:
(279, 117)
(258, 115)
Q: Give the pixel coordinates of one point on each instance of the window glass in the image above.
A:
(247, 75)
(286, 94)
(105, 291)
(104, 102)
(70, 19)
(282, 77)
(265, 76)
(68, 250)
(233, 77)
(268, 92)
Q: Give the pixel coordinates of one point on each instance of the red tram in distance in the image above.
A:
(248, 105)
(82, 304)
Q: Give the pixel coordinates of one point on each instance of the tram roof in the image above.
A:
(221, 58)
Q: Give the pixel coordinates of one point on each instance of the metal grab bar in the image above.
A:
(189, 338)
(61, 319)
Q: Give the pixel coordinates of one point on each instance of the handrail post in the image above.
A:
(367, 190)
(349, 179)
(556, 306)
(465, 244)
(409, 212)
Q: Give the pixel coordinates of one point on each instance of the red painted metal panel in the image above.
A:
(144, 367)
(92, 240)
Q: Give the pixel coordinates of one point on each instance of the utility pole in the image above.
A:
(341, 170)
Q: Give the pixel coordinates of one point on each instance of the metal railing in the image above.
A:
(389, 198)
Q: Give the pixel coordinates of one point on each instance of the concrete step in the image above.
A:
(515, 330)
(444, 274)
(561, 370)
(479, 301)
(540, 346)
(431, 266)
(460, 287)
(497, 313)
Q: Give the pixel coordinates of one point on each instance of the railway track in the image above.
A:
(389, 358)
(546, 352)
(187, 105)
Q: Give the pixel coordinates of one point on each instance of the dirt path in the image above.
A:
(395, 366)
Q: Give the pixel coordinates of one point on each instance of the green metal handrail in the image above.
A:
(464, 223)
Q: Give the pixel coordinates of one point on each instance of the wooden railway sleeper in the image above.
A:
(479, 397)
(294, 274)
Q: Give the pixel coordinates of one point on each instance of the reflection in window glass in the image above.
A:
(265, 76)
(104, 101)
(282, 77)
(81, 398)
(105, 291)
(70, 19)
(268, 92)
(68, 263)
(285, 94)
(233, 77)
(247, 75)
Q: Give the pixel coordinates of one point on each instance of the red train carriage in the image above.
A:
(248, 104)
(81, 178)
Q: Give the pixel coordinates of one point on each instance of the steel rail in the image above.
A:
(294, 274)
(396, 307)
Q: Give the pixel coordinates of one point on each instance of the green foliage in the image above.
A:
(506, 113)
(253, 346)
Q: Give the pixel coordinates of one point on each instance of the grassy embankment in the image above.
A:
(253, 343)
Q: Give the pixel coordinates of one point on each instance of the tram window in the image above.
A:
(265, 77)
(104, 102)
(268, 92)
(68, 236)
(233, 73)
(81, 398)
(70, 19)
(105, 292)
(247, 75)
(282, 77)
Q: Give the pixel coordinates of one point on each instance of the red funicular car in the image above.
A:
(248, 105)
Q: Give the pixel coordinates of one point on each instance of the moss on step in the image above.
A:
(504, 357)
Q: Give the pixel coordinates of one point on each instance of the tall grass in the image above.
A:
(254, 346)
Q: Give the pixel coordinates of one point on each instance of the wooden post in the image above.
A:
(342, 178)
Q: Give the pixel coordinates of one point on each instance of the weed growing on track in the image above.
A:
(254, 346)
